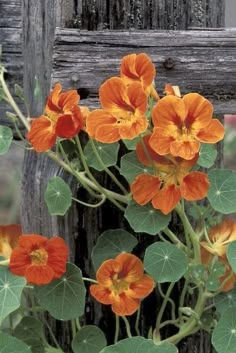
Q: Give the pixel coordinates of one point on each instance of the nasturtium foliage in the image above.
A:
(140, 345)
(130, 167)
(9, 344)
(222, 192)
(212, 284)
(224, 334)
(64, 298)
(30, 331)
(58, 196)
(107, 152)
(131, 144)
(89, 339)
(165, 262)
(231, 255)
(225, 301)
(146, 219)
(6, 138)
(50, 349)
(11, 288)
(217, 269)
(110, 244)
(207, 155)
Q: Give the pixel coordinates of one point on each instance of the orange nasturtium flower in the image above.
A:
(123, 113)
(172, 180)
(39, 259)
(220, 237)
(9, 236)
(122, 283)
(180, 124)
(139, 67)
(62, 118)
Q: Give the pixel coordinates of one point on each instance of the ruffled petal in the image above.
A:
(9, 236)
(144, 188)
(198, 111)
(160, 142)
(32, 241)
(67, 100)
(68, 125)
(131, 267)
(106, 272)
(52, 101)
(19, 261)
(42, 134)
(113, 95)
(213, 133)
(58, 254)
(194, 186)
(184, 149)
(102, 126)
(101, 294)
(125, 305)
(39, 275)
(141, 288)
(137, 97)
(132, 129)
(169, 110)
(166, 199)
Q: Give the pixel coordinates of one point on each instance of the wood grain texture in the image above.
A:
(10, 41)
(200, 61)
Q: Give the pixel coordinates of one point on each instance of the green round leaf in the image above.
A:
(146, 219)
(140, 345)
(107, 152)
(224, 334)
(231, 255)
(9, 344)
(58, 196)
(165, 262)
(222, 192)
(212, 284)
(130, 167)
(30, 331)
(90, 339)
(207, 155)
(110, 244)
(225, 301)
(6, 137)
(11, 287)
(64, 298)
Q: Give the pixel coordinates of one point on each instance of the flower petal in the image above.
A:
(68, 125)
(194, 186)
(198, 111)
(113, 95)
(39, 275)
(106, 271)
(9, 236)
(137, 97)
(32, 241)
(184, 149)
(213, 133)
(141, 288)
(169, 110)
(132, 129)
(19, 261)
(101, 125)
(144, 188)
(131, 267)
(101, 294)
(58, 254)
(125, 305)
(160, 142)
(166, 199)
(42, 134)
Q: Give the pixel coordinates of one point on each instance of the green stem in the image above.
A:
(73, 327)
(90, 204)
(122, 198)
(163, 306)
(78, 324)
(117, 329)
(182, 298)
(127, 326)
(51, 333)
(89, 280)
(137, 321)
(13, 103)
(169, 299)
(192, 235)
(174, 239)
(100, 188)
(169, 322)
(104, 167)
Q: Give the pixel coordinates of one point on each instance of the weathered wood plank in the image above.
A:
(201, 61)
(10, 41)
(148, 14)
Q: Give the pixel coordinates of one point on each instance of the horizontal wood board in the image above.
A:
(200, 61)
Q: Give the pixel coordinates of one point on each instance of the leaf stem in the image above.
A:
(117, 330)
(127, 326)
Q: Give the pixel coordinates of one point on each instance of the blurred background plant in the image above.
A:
(230, 142)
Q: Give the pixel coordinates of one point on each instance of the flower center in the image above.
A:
(118, 284)
(39, 257)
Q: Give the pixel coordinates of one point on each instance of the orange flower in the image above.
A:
(171, 180)
(38, 259)
(122, 283)
(139, 67)
(122, 116)
(9, 235)
(62, 119)
(180, 124)
(220, 236)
